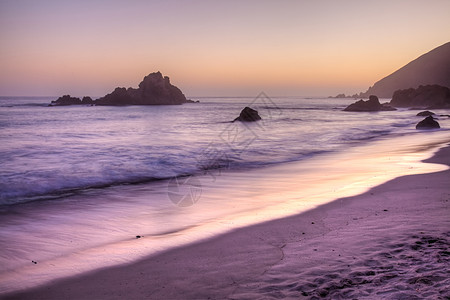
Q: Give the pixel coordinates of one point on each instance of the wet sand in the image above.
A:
(391, 242)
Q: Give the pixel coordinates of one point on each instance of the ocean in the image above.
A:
(49, 152)
(83, 187)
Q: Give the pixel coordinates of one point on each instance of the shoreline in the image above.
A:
(84, 234)
(371, 245)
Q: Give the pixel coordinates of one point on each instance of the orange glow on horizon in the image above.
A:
(307, 48)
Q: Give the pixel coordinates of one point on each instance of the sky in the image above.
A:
(213, 48)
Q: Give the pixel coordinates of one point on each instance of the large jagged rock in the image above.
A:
(428, 123)
(429, 96)
(373, 104)
(431, 68)
(248, 115)
(153, 90)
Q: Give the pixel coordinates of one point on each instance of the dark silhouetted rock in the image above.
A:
(428, 123)
(248, 115)
(87, 100)
(373, 104)
(354, 96)
(430, 68)
(119, 96)
(425, 113)
(429, 96)
(153, 90)
(66, 100)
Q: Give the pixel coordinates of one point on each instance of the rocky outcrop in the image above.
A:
(428, 123)
(425, 113)
(68, 100)
(341, 96)
(373, 104)
(430, 68)
(120, 96)
(65, 100)
(153, 90)
(429, 96)
(248, 115)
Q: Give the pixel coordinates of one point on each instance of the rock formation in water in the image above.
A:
(373, 104)
(425, 113)
(430, 68)
(429, 96)
(153, 90)
(87, 100)
(66, 100)
(428, 123)
(342, 96)
(248, 115)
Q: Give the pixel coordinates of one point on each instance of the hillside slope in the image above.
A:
(430, 68)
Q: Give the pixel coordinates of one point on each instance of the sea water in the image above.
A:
(82, 187)
(46, 152)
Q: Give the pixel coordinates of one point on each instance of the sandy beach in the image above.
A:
(391, 242)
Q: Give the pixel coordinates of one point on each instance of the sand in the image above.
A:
(392, 242)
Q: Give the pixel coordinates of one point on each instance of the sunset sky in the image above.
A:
(309, 48)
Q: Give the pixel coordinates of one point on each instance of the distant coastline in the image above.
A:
(431, 68)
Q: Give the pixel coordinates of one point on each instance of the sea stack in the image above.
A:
(248, 115)
(373, 104)
(154, 89)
